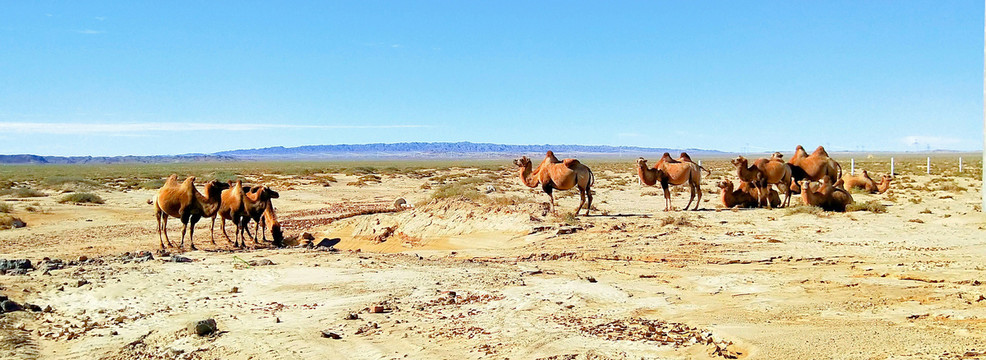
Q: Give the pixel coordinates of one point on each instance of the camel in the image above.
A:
(863, 181)
(183, 201)
(229, 209)
(815, 166)
(673, 172)
(773, 197)
(776, 172)
(735, 198)
(826, 196)
(558, 174)
(751, 174)
(256, 204)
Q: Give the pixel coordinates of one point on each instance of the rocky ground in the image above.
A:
(501, 277)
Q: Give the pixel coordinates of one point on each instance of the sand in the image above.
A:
(474, 280)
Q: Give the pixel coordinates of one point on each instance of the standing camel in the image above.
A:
(670, 171)
(256, 203)
(776, 172)
(185, 202)
(558, 174)
(815, 166)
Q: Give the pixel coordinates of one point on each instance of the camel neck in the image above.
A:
(528, 177)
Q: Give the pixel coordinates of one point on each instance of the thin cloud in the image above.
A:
(100, 18)
(139, 128)
(90, 32)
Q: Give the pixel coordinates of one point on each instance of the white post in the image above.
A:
(929, 166)
(700, 162)
(852, 168)
(960, 164)
(891, 167)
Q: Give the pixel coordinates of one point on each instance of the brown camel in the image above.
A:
(815, 166)
(230, 209)
(863, 181)
(670, 171)
(776, 172)
(256, 203)
(826, 196)
(185, 202)
(735, 198)
(751, 174)
(773, 197)
(558, 174)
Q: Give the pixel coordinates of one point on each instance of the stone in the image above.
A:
(234, 290)
(83, 258)
(328, 243)
(331, 335)
(16, 264)
(10, 305)
(203, 327)
(261, 262)
(180, 259)
(376, 309)
(308, 236)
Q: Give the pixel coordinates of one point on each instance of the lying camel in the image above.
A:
(826, 196)
(815, 166)
(670, 171)
(863, 181)
(558, 174)
(185, 202)
(751, 174)
(773, 197)
(735, 198)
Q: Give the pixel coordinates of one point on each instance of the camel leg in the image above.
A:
(212, 231)
(164, 228)
(547, 190)
(157, 215)
(697, 190)
(667, 196)
(581, 202)
(191, 231)
(588, 193)
(691, 196)
(222, 225)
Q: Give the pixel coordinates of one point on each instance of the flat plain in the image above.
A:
(477, 267)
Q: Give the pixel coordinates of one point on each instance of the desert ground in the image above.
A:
(478, 268)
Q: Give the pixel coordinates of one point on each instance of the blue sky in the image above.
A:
(119, 78)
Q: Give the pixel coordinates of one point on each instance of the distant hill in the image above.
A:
(441, 150)
(409, 150)
(36, 159)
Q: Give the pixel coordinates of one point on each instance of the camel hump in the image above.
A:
(820, 151)
(667, 158)
(571, 163)
(551, 155)
(684, 157)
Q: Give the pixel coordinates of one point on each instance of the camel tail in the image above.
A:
(837, 164)
(592, 177)
(707, 172)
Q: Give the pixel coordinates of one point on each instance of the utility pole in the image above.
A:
(982, 189)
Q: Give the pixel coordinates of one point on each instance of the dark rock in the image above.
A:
(83, 258)
(564, 230)
(328, 243)
(33, 307)
(180, 259)
(352, 316)
(3, 298)
(234, 290)
(590, 279)
(203, 328)
(10, 305)
(308, 236)
(261, 262)
(81, 282)
(15, 264)
(48, 309)
(331, 335)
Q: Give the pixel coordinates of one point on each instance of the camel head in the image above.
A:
(642, 163)
(726, 185)
(214, 188)
(739, 161)
(523, 162)
(263, 193)
(777, 155)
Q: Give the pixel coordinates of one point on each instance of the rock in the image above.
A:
(376, 309)
(180, 259)
(10, 305)
(81, 282)
(328, 243)
(3, 298)
(331, 335)
(308, 236)
(47, 309)
(33, 307)
(203, 328)
(261, 262)
(352, 316)
(564, 230)
(15, 264)
(234, 290)
(490, 189)
(590, 279)
(83, 258)
(400, 204)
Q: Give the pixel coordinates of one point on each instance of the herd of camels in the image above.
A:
(816, 176)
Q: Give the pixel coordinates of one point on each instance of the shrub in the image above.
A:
(151, 184)
(676, 220)
(567, 218)
(457, 190)
(5, 208)
(871, 206)
(80, 198)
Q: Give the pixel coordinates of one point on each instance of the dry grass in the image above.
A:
(6, 208)
(7, 221)
(567, 218)
(676, 220)
(81, 198)
(873, 206)
(805, 209)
